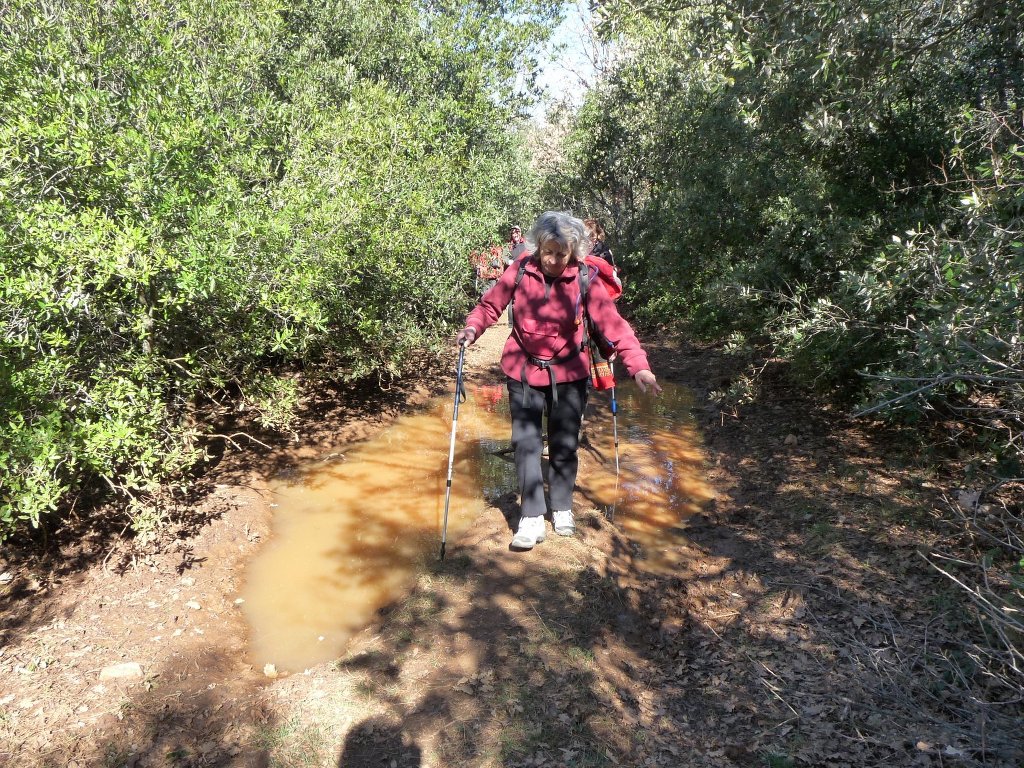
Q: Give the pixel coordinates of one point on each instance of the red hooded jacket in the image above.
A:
(548, 323)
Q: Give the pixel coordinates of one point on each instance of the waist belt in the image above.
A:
(545, 365)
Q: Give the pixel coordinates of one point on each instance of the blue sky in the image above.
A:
(561, 72)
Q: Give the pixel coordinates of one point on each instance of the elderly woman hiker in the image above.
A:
(546, 365)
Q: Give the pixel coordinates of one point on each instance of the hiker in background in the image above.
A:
(516, 245)
(545, 365)
(605, 267)
(489, 266)
(514, 248)
(597, 234)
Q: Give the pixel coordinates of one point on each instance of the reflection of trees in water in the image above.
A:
(351, 535)
(661, 478)
(489, 433)
(496, 469)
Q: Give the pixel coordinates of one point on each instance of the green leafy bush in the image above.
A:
(775, 154)
(197, 196)
(846, 179)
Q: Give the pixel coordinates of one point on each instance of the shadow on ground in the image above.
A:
(798, 629)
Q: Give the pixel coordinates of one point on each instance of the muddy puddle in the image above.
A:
(661, 477)
(351, 531)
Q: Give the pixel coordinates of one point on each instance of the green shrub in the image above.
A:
(195, 197)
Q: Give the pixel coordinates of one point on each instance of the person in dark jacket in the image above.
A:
(596, 234)
(516, 243)
(514, 248)
(546, 367)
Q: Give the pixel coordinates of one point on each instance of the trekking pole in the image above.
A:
(615, 430)
(610, 512)
(460, 392)
(615, 422)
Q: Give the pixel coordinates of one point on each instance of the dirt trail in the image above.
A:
(793, 633)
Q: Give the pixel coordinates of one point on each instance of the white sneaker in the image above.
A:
(563, 523)
(529, 533)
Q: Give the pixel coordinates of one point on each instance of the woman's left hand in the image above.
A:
(647, 380)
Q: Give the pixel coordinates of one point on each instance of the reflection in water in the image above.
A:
(661, 467)
(348, 537)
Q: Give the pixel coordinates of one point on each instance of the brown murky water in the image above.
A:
(661, 479)
(351, 532)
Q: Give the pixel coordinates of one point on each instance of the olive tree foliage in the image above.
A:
(198, 194)
(849, 178)
(846, 175)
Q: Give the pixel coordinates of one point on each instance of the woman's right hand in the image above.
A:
(466, 337)
(646, 380)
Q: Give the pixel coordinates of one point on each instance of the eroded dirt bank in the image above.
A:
(800, 627)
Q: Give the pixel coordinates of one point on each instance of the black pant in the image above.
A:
(527, 410)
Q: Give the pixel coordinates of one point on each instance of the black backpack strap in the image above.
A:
(598, 350)
(584, 277)
(519, 278)
(519, 274)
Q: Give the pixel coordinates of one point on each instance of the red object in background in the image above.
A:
(496, 263)
(489, 395)
(488, 264)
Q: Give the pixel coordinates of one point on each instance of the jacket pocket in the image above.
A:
(543, 339)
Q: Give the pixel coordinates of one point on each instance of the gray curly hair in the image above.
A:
(564, 228)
